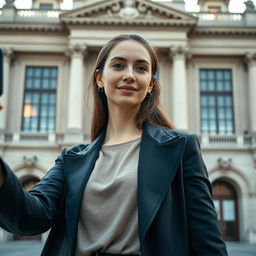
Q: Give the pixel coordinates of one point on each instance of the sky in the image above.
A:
(235, 5)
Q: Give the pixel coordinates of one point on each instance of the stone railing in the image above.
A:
(222, 18)
(30, 16)
(52, 16)
(207, 141)
(26, 138)
(32, 138)
(38, 13)
(220, 141)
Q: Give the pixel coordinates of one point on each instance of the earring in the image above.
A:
(100, 89)
(149, 94)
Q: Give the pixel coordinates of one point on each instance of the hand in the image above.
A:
(1, 106)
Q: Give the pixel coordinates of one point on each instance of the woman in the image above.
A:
(140, 187)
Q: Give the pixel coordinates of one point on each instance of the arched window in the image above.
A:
(225, 201)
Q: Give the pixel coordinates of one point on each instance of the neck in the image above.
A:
(121, 126)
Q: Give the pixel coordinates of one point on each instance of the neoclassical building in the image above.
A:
(207, 72)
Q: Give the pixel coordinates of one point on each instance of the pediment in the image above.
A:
(143, 12)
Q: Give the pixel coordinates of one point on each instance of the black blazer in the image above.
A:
(175, 208)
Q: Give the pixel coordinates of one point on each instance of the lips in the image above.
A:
(127, 88)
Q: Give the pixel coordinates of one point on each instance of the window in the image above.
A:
(214, 9)
(216, 101)
(46, 6)
(39, 99)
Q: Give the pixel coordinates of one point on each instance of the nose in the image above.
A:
(129, 76)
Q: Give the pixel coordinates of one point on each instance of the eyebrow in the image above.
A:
(123, 59)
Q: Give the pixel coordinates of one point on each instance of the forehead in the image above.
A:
(130, 50)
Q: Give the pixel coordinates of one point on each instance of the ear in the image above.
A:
(98, 78)
(151, 85)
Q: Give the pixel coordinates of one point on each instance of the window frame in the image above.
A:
(215, 94)
(40, 91)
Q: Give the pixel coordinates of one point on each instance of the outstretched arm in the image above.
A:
(33, 212)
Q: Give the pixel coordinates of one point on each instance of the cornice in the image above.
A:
(31, 27)
(250, 31)
(142, 22)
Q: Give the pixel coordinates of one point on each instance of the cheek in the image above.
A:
(109, 79)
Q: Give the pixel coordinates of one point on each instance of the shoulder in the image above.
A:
(76, 149)
(163, 135)
(189, 137)
(179, 133)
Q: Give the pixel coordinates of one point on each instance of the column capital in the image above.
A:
(8, 54)
(178, 51)
(77, 50)
(250, 58)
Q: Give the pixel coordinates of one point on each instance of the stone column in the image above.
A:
(251, 61)
(76, 89)
(8, 55)
(179, 83)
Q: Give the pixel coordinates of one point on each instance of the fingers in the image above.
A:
(1, 106)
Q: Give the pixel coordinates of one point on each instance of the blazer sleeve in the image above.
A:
(203, 228)
(31, 212)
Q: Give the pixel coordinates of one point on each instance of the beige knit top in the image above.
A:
(109, 215)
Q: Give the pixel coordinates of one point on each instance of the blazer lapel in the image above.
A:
(160, 156)
(78, 168)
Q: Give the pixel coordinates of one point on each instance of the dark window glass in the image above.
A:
(39, 107)
(214, 9)
(46, 6)
(217, 115)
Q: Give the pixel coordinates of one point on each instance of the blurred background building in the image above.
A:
(207, 72)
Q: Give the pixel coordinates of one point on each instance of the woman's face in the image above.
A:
(127, 75)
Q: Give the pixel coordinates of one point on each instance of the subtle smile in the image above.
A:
(127, 89)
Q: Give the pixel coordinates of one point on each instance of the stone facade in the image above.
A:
(187, 43)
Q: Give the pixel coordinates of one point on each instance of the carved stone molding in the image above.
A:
(250, 58)
(30, 162)
(224, 164)
(250, 7)
(9, 55)
(129, 11)
(9, 4)
(178, 52)
(114, 10)
(76, 50)
(234, 31)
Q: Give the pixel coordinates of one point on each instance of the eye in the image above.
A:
(118, 66)
(142, 68)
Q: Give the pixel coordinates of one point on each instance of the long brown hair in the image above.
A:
(150, 109)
